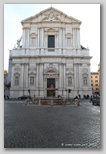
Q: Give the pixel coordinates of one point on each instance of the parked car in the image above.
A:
(96, 99)
(24, 97)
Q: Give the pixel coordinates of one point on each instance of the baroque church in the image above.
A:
(49, 55)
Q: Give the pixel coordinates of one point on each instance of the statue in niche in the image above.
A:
(69, 81)
(31, 80)
(85, 80)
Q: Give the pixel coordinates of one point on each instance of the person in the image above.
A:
(7, 97)
(79, 96)
(34, 99)
(59, 96)
(91, 99)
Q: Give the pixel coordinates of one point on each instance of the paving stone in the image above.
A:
(51, 127)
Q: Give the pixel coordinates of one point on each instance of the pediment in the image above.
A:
(51, 14)
(16, 74)
(84, 74)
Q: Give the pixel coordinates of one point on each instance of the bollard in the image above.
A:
(51, 102)
(77, 102)
(39, 102)
(64, 102)
(27, 101)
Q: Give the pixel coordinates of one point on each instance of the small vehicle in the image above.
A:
(96, 99)
(59, 96)
(24, 97)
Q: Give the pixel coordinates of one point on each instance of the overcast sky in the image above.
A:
(88, 14)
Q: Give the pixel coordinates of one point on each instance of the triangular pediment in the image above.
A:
(51, 14)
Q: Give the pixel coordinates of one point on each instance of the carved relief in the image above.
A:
(68, 35)
(51, 69)
(51, 16)
(85, 70)
(17, 68)
(16, 78)
(33, 35)
(69, 69)
(32, 70)
(51, 72)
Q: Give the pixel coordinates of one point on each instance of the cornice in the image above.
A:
(52, 56)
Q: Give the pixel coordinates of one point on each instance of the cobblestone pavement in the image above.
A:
(44, 126)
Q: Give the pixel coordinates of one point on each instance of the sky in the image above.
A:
(88, 14)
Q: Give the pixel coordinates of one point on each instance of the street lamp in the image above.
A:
(29, 91)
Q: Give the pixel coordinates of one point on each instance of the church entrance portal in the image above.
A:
(50, 85)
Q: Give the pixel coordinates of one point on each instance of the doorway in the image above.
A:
(51, 84)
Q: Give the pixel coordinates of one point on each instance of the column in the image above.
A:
(23, 38)
(41, 75)
(74, 37)
(38, 38)
(60, 77)
(80, 77)
(60, 38)
(56, 42)
(27, 37)
(46, 40)
(74, 77)
(89, 77)
(64, 77)
(37, 77)
(78, 38)
(22, 77)
(26, 72)
(12, 79)
(64, 41)
(42, 39)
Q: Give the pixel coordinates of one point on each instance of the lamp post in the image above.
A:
(29, 91)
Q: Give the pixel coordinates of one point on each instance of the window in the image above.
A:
(16, 80)
(96, 76)
(91, 84)
(96, 80)
(31, 81)
(96, 84)
(51, 41)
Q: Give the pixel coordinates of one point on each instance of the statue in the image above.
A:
(18, 42)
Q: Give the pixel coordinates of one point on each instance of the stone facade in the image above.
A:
(50, 56)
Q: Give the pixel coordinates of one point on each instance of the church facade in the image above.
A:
(50, 56)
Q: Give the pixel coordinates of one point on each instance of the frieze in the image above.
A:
(17, 69)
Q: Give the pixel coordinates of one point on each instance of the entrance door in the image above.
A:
(50, 84)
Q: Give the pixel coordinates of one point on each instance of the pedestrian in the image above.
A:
(34, 99)
(79, 96)
(91, 99)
